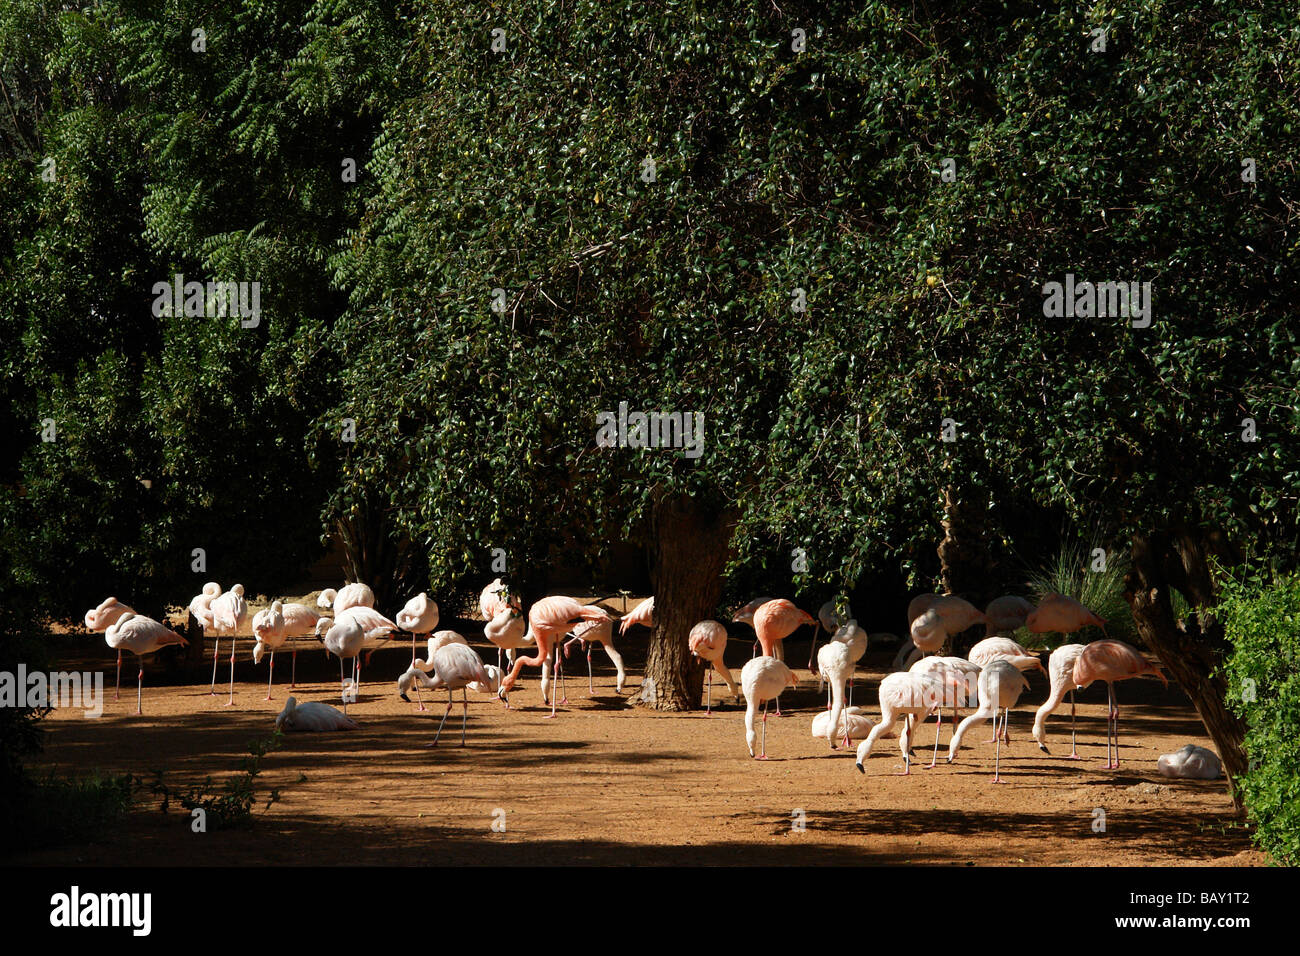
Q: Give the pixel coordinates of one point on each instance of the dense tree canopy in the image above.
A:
(829, 229)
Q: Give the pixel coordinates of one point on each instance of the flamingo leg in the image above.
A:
(270, 677)
(938, 729)
(139, 684)
(450, 702)
(216, 649)
(763, 749)
(590, 688)
(1074, 749)
(997, 750)
(343, 683)
(464, 715)
(117, 691)
(293, 676)
(708, 706)
(233, 644)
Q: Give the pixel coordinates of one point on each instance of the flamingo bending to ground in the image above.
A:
(455, 667)
(708, 641)
(312, 717)
(201, 604)
(992, 648)
(549, 619)
(419, 616)
(857, 640)
(960, 683)
(762, 679)
(99, 619)
(1007, 613)
(902, 695)
(229, 611)
(1000, 685)
(140, 635)
(507, 630)
(1112, 661)
(835, 664)
(346, 634)
(273, 626)
(1062, 614)
(643, 613)
(1060, 671)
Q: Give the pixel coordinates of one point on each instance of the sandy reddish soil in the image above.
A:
(610, 783)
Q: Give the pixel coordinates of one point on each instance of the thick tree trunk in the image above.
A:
(371, 557)
(966, 565)
(1192, 651)
(690, 543)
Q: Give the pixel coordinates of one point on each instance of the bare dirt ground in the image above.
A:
(610, 783)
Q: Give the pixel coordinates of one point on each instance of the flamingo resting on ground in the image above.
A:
(708, 641)
(229, 611)
(1112, 661)
(1191, 763)
(762, 679)
(549, 619)
(1060, 671)
(140, 635)
(854, 724)
(312, 717)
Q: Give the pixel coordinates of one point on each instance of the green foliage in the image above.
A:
(1261, 618)
(232, 805)
(55, 810)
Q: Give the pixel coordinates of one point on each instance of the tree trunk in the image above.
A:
(690, 543)
(966, 565)
(1193, 651)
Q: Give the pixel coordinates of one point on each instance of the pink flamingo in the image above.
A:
(549, 619)
(99, 619)
(1111, 661)
(1062, 614)
(140, 635)
(1006, 613)
(272, 628)
(228, 613)
(643, 613)
(745, 615)
(763, 679)
(708, 641)
(1060, 670)
(773, 623)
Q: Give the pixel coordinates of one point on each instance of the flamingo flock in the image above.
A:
(990, 679)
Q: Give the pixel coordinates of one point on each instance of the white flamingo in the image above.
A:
(960, 681)
(201, 604)
(419, 616)
(455, 667)
(312, 717)
(602, 633)
(272, 628)
(1060, 671)
(762, 679)
(229, 611)
(1000, 685)
(902, 694)
(140, 635)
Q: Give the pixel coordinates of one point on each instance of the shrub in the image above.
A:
(1261, 619)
